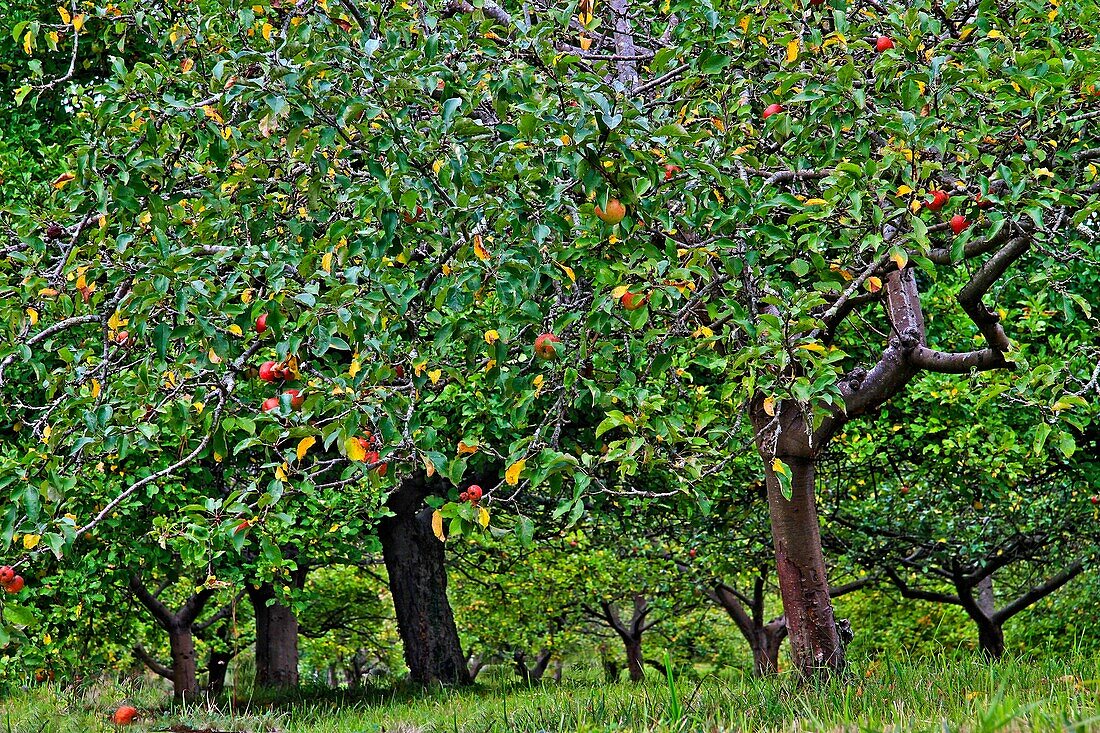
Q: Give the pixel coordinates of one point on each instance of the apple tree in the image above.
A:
(617, 228)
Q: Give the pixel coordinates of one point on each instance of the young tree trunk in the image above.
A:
(185, 680)
(815, 642)
(216, 667)
(276, 639)
(766, 643)
(991, 639)
(635, 662)
(418, 583)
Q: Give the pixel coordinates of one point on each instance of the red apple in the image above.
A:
(123, 338)
(884, 44)
(124, 715)
(772, 109)
(15, 585)
(614, 214)
(670, 171)
(373, 457)
(959, 223)
(7, 573)
(261, 323)
(982, 203)
(270, 404)
(296, 398)
(939, 200)
(474, 494)
(1095, 498)
(269, 371)
(545, 348)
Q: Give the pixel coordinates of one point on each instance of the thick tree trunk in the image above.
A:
(815, 642)
(185, 681)
(418, 583)
(531, 674)
(276, 639)
(635, 662)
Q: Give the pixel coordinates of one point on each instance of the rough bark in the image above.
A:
(276, 639)
(815, 641)
(531, 673)
(185, 678)
(181, 640)
(415, 563)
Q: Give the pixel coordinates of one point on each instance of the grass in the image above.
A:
(943, 694)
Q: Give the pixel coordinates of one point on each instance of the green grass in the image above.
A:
(945, 694)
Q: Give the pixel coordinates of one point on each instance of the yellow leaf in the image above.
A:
(569, 273)
(483, 516)
(304, 445)
(199, 406)
(538, 383)
(904, 190)
(1061, 404)
(816, 347)
(436, 165)
(33, 315)
(429, 467)
(47, 293)
(246, 296)
(620, 291)
(266, 31)
(464, 447)
(212, 114)
(78, 22)
(30, 541)
(780, 467)
(65, 17)
(873, 284)
(792, 51)
(28, 39)
(1044, 172)
(64, 178)
(743, 24)
(900, 258)
(186, 65)
(479, 248)
(46, 433)
(966, 33)
(280, 472)
(511, 476)
(491, 336)
(703, 332)
(116, 321)
(326, 262)
(236, 330)
(419, 367)
(994, 33)
(816, 202)
(769, 406)
(354, 449)
(434, 375)
(95, 388)
(437, 525)
(586, 42)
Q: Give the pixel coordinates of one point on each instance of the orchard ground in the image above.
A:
(957, 692)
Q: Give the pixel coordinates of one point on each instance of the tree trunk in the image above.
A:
(815, 642)
(216, 667)
(635, 662)
(418, 583)
(765, 644)
(185, 681)
(991, 639)
(276, 639)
